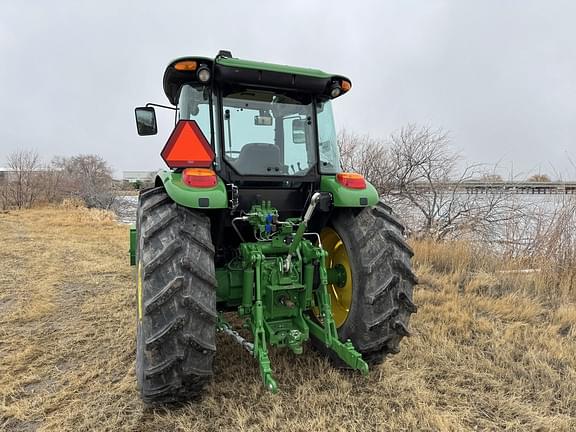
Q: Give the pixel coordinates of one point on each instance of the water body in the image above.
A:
(127, 207)
(518, 222)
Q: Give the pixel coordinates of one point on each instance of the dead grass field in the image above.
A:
(490, 351)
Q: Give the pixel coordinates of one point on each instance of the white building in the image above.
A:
(135, 176)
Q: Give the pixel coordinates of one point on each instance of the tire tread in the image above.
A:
(382, 290)
(177, 336)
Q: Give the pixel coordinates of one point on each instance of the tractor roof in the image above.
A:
(249, 64)
(229, 71)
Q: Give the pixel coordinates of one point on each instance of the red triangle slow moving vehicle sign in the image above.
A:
(187, 147)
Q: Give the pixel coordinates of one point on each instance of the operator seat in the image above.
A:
(258, 158)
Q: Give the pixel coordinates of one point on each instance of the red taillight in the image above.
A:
(187, 147)
(351, 180)
(199, 177)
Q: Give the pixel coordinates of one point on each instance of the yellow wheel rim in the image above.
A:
(340, 296)
(139, 291)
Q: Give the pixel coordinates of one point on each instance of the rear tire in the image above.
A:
(382, 282)
(176, 293)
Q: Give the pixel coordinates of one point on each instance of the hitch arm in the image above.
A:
(328, 333)
(260, 350)
(301, 229)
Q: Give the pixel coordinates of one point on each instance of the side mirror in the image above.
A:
(299, 131)
(146, 121)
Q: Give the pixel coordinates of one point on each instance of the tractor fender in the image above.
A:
(345, 197)
(198, 198)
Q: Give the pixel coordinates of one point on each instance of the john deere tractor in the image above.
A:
(255, 217)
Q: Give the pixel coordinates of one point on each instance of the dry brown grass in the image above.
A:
(491, 350)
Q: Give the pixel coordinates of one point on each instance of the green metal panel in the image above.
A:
(345, 197)
(248, 64)
(230, 285)
(132, 244)
(194, 197)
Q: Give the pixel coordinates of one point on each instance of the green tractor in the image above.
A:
(256, 217)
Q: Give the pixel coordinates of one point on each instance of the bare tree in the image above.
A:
(88, 177)
(50, 177)
(365, 155)
(418, 172)
(429, 183)
(21, 187)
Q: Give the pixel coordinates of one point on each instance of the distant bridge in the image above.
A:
(483, 187)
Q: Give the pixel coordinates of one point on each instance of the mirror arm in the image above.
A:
(161, 106)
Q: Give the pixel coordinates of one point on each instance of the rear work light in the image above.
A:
(351, 180)
(199, 177)
(203, 74)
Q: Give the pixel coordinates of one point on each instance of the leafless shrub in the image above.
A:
(559, 238)
(28, 181)
(547, 231)
(50, 184)
(88, 177)
(20, 188)
(556, 243)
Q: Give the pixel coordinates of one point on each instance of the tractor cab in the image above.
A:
(270, 127)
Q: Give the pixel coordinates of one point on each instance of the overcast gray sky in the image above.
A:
(500, 75)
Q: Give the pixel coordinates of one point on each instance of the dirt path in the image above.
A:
(481, 358)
